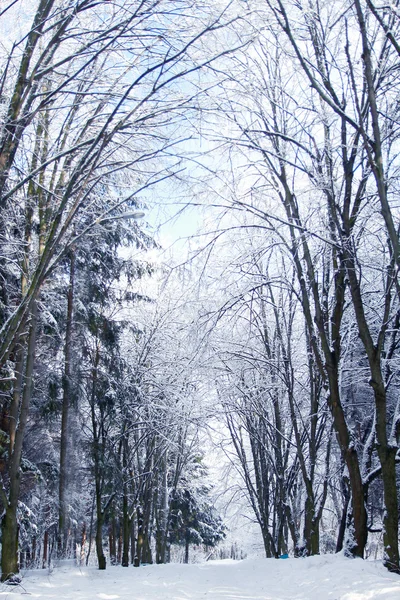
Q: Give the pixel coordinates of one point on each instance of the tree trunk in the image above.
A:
(99, 529)
(99, 543)
(112, 542)
(133, 540)
(45, 549)
(146, 549)
(9, 546)
(311, 528)
(33, 554)
(387, 458)
(97, 456)
(139, 543)
(119, 543)
(91, 530)
(65, 433)
(187, 538)
(293, 530)
(126, 528)
(83, 544)
(126, 532)
(163, 508)
(99, 526)
(386, 452)
(9, 557)
(342, 525)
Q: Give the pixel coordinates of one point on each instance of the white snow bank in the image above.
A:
(328, 577)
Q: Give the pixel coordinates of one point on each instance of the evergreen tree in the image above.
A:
(194, 519)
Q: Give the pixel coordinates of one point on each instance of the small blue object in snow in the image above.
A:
(284, 556)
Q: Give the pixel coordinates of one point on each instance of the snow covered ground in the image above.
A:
(329, 577)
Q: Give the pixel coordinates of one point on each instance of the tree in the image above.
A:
(367, 115)
(80, 127)
(310, 142)
(193, 519)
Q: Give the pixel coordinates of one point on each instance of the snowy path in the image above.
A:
(317, 578)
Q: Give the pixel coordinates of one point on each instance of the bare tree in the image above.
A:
(363, 106)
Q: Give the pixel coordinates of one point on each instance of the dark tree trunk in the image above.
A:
(65, 433)
(99, 538)
(187, 542)
(126, 533)
(294, 534)
(9, 556)
(45, 549)
(112, 541)
(342, 525)
(98, 476)
(139, 543)
(311, 528)
(126, 529)
(119, 544)
(33, 553)
(161, 502)
(387, 457)
(133, 541)
(9, 547)
(91, 530)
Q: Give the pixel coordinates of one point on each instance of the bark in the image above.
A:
(187, 544)
(45, 549)
(351, 459)
(9, 546)
(97, 457)
(126, 533)
(162, 514)
(82, 544)
(119, 543)
(112, 542)
(9, 557)
(101, 559)
(91, 529)
(133, 541)
(65, 433)
(126, 525)
(139, 543)
(33, 554)
(294, 533)
(143, 548)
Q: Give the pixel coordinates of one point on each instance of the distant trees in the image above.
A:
(271, 393)
(193, 519)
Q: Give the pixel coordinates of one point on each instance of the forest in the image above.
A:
(199, 254)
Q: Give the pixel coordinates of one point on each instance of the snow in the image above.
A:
(328, 577)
